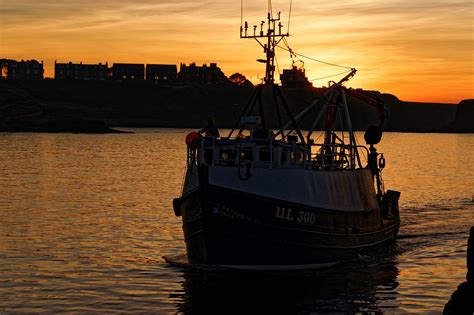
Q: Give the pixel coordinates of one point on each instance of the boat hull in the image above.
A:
(229, 227)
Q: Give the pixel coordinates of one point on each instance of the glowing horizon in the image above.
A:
(419, 51)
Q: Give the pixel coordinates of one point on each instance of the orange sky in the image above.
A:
(418, 50)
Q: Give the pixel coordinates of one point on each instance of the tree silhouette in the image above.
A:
(240, 80)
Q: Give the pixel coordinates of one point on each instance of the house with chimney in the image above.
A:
(22, 70)
(128, 71)
(80, 71)
(202, 75)
(161, 73)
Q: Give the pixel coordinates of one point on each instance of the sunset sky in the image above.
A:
(418, 50)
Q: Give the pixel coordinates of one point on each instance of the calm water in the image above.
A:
(85, 220)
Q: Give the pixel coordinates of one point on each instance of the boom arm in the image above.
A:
(370, 99)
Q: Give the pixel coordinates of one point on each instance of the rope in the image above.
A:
(313, 59)
(241, 13)
(289, 17)
(330, 76)
(278, 66)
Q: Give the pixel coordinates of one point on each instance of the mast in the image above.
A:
(268, 37)
(272, 37)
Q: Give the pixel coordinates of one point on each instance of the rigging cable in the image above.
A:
(278, 67)
(330, 76)
(287, 48)
(289, 17)
(241, 13)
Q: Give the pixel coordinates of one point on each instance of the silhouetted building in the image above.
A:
(128, 71)
(294, 78)
(161, 73)
(74, 71)
(4, 68)
(193, 74)
(22, 70)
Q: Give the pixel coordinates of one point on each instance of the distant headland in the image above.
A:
(93, 98)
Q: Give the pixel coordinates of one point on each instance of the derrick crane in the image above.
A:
(370, 99)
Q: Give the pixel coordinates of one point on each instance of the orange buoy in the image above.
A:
(191, 137)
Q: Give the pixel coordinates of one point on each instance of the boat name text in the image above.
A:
(226, 211)
(288, 214)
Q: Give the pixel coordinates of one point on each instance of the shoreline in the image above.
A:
(133, 130)
(32, 105)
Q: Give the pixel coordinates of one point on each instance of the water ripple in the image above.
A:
(85, 220)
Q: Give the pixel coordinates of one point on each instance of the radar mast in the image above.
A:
(268, 34)
(272, 35)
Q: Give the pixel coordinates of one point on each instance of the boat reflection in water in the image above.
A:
(359, 286)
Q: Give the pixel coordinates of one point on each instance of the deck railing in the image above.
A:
(263, 153)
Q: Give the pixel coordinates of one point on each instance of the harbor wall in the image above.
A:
(143, 104)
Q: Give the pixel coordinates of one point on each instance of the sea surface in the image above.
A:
(86, 219)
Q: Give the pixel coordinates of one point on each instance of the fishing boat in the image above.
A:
(267, 197)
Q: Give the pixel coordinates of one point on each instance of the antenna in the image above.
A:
(268, 38)
(273, 33)
(289, 15)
